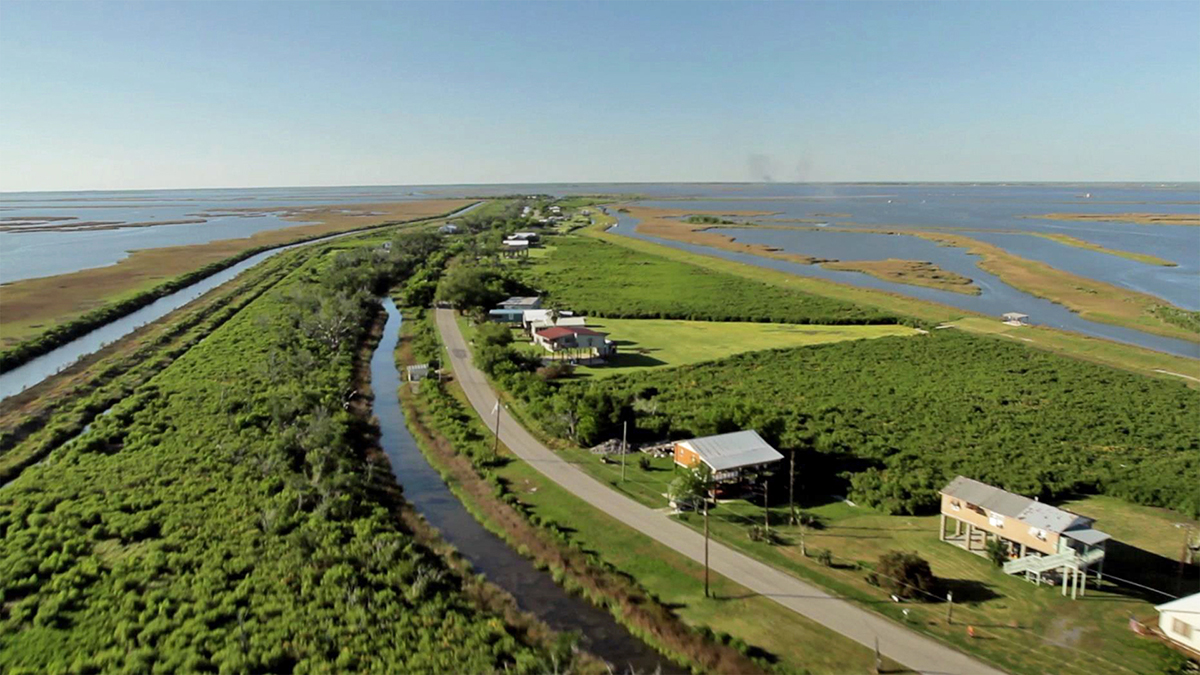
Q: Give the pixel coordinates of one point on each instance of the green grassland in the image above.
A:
(1159, 531)
(602, 279)
(220, 518)
(660, 343)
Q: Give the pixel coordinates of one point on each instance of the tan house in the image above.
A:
(728, 455)
(1040, 540)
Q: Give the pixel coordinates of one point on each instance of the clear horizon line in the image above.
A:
(622, 182)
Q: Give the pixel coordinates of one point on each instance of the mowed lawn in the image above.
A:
(661, 343)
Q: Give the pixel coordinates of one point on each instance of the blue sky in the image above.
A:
(215, 94)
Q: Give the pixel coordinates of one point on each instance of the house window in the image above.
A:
(1182, 629)
(996, 520)
(1037, 532)
(955, 504)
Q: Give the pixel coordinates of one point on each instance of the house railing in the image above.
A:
(1069, 559)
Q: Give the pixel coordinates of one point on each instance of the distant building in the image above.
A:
(526, 236)
(448, 228)
(1179, 622)
(1015, 319)
(561, 338)
(728, 455)
(562, 322)
(521, 303)
(536, 319)
(1040, 540)
(505, 315)
(417, 372)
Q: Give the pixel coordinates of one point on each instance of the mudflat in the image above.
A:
(914, 272)
(30, 306)
(1092, 299)
(1138, 218)
(669, 224)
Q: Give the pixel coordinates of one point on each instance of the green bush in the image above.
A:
(906, 575)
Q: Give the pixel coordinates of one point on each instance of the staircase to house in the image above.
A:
(1046, 563)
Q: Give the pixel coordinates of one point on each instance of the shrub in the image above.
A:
(997, 552)
(905, 574)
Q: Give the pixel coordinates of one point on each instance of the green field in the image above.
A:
(593, 277)
(660, 343)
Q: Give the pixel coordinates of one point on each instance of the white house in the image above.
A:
(560, 338)
(1179, 621)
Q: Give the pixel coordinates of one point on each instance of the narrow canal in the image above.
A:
(35, 370)
(534, 590)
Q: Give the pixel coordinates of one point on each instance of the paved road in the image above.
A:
(915, 651)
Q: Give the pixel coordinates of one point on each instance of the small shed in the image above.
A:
(1179, 621)
(418, 372)
(1015, 319)
(728, 455)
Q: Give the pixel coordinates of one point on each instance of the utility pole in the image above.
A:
(766, 508)
(496, 442)
(624, 429)
(705, 498)
(792, 489)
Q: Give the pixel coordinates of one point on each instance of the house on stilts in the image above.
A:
(1045, 543)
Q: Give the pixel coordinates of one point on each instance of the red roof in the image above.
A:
(556, 332)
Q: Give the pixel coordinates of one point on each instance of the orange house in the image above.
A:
(728, 455)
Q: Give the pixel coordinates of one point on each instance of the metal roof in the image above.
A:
(556, 332)
(1047, 517)
(1033, 513)
(991, 498)
(517, 300)
(1188, 604)
(733, 450)
(1087, 536)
